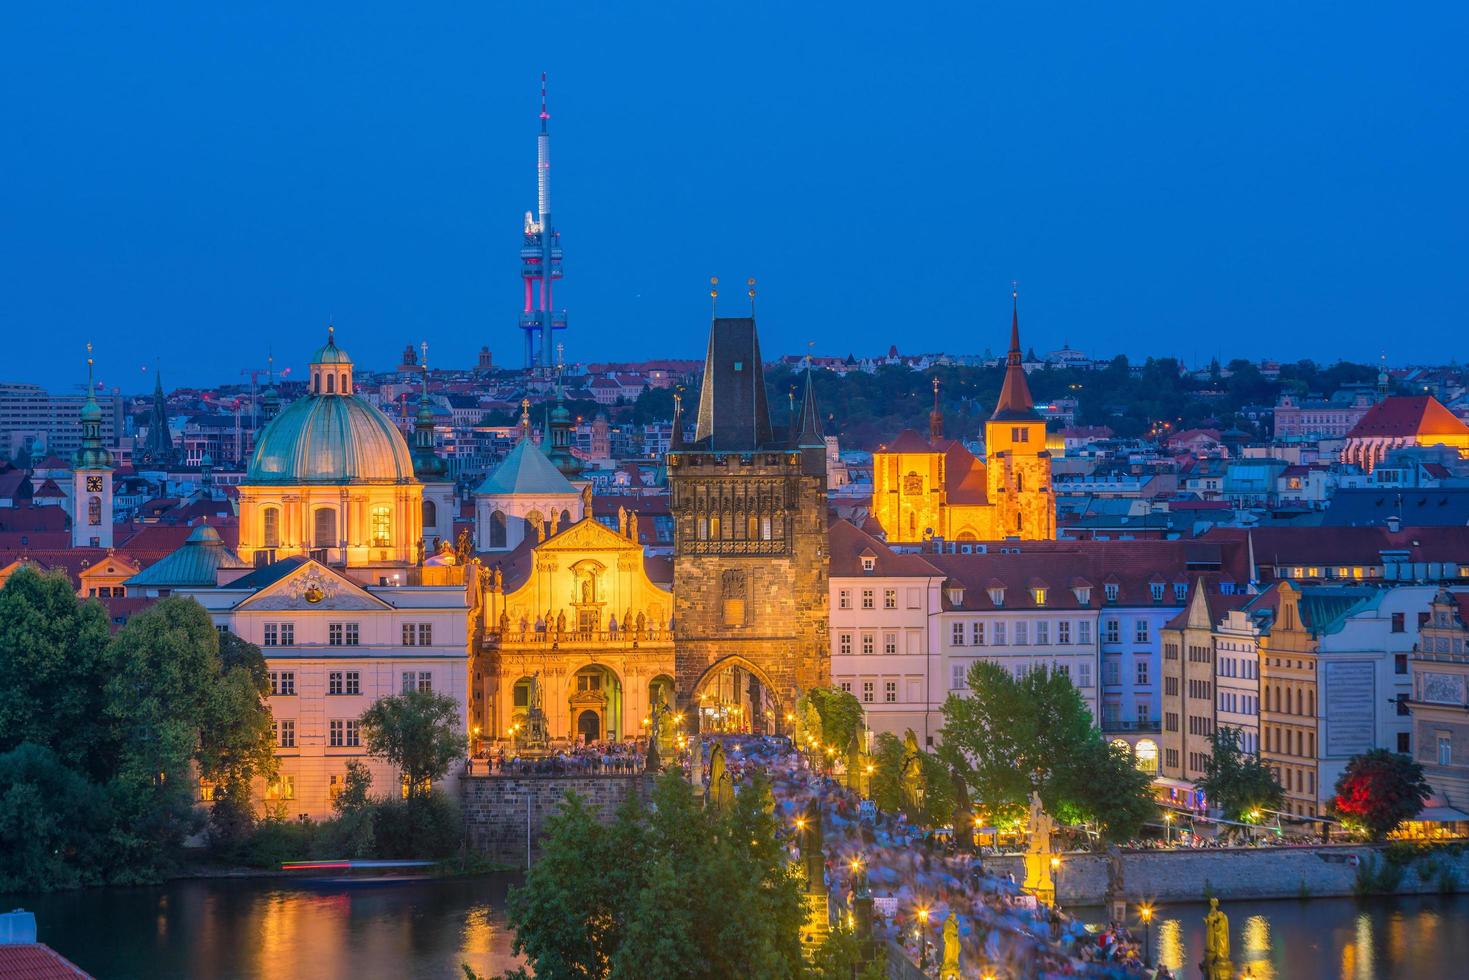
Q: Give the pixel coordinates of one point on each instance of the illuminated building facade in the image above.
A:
(935, 488)
(1419, 420)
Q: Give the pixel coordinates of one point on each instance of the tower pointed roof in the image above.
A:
(1015, 404)
(809, 435)
(733, 412)
(92, 455)
(426, 463)
(158, 448)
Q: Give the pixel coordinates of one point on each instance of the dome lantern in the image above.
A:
(331, 368)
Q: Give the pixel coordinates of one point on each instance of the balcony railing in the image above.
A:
(1139, 727)
(572, 637)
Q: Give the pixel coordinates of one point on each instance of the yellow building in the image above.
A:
(332, 478)
(934, 487)
(587, 615)
(1288, 720)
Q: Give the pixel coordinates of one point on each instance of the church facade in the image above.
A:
(936, 488)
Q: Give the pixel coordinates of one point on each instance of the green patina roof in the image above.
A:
(333, 439)
(331, 353)
(195, 564)
(526, 470)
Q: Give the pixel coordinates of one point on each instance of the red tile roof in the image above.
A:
(1416, 415)
(36, 961)
(846, 544)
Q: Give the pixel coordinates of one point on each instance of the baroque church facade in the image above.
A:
(936, 488)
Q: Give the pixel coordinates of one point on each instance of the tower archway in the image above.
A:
(734, 694)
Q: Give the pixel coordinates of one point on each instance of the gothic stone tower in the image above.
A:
(1017, 463)
(750, 562)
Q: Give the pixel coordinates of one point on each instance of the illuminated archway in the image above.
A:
(734, 694)
(1145, 753)
(596, 689)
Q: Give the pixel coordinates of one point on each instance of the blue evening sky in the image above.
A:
(196, 182)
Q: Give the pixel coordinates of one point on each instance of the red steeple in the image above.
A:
(1015, 402)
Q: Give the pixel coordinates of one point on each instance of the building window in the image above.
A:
(1084, 674)
(325, 528)
(1156, 589)
(334, 733)
(271, 526)
(1111, 673)
(868, 644)
(844, 599)
(94, 511)
(867, 599)
(334, 683)
(498, 525)
(1403, 742)
(1400, 663)
(1180, 591)
(425, 682)
(1063, 631)
(890, 643)
(283, 788)
(867, 692)
(1039, 595)
(1397, 622)
(1142, 672)
(354, 682)
(1144, 714)
(382, 527)
(957, 634)
(890, 692)
(1112, 631)
(288, 634)
(1000, 634)
(1142, 631)
(285, 733)
(1043, 633)
(1110, 590)
(283, 683)
(957, 676)
(1021, 633)
(844, 643)
(890, 598)
(272, 635)
(846, 686)
(977, 633)
(1084, 631)
(343, 634)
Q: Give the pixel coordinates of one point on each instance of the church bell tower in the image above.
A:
(91, 477)
(1017, 463)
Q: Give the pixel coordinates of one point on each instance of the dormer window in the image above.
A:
(956, 595)
(997, 596)
(1180, 591)
(868, 563)
(1110, 589)
(1083, 596)
(1156, 588)
(1038, 595)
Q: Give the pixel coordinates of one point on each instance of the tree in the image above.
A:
(672, 891)
(1379, 790)
(419, 732)
(1236, 782)
(1011, 737)
(839, 714)
(54, 668)
(53, 823)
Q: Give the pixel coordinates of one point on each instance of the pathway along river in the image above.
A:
(264, 928)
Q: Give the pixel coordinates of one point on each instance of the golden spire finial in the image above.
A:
(750, 282)
(714, 296)
(89, 369)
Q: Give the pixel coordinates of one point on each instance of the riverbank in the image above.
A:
(1333, 870)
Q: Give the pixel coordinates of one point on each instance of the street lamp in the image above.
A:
(1146, 911)
(1168, 830)
(923, 938)
(1056, 880)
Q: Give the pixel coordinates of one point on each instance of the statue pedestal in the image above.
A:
(536, 742)
(818, 923)
(1038, 879)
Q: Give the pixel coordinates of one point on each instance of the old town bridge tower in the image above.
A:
(750, 562)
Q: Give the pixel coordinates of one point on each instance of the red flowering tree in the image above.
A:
(1379, 790)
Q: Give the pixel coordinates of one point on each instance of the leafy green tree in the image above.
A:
(53, 823)
(1378, 790)
(838, 713)
(1013, 737)
(672, 891)
(351, 834)
(420, 732)
(1235, 781)
(886, 788)
(54, 668)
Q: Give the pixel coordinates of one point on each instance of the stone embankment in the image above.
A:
(505, 814)
(1242, 873)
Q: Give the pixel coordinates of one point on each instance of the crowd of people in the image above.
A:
(919, 880)
(601, 758)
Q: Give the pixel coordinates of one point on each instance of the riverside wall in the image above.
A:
(498, 809)
(1239, 873)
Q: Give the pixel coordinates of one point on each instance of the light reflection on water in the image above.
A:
(1323, 938)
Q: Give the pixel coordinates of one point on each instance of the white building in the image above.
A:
(883, 604)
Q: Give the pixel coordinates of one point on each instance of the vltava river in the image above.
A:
(272, 930)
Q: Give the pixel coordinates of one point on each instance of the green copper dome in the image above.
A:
(331, 439)
(331, 353)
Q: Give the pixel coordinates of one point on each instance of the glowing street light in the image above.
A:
(1146, 912)
(923, 937)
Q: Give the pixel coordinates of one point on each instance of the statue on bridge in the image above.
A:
(812, 842)
(1216, 965)
(912, 777)
(1038, 852)
(949, 969)
(721, 783)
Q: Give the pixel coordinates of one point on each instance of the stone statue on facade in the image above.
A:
(561, 623)
(498, 580)
(504, 623)
(632, 525)
(586, 501)
(622, 521)
(464, 548)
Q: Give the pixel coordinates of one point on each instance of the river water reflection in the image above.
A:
(1336, 938)
(272, 930)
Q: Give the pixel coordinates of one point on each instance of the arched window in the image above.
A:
(331, 384)
(566, 518)
(94, 511)
(382, 526)
(497, 529)
(270, 520)
(430, 514)
(316, 382)
(346, 388)
(1019, 482)
(325, 528)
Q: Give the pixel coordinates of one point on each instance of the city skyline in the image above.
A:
(375, 173)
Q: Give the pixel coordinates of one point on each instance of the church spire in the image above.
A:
(426, 463)
(158, 449)
(935, 417)
(1015, 402)
(809, 436)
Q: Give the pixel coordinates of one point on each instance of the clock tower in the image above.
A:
(91, 480)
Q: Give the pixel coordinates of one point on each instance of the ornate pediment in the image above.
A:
(589, 535)
(314, 586)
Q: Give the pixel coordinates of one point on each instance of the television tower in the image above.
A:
(540, 261)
